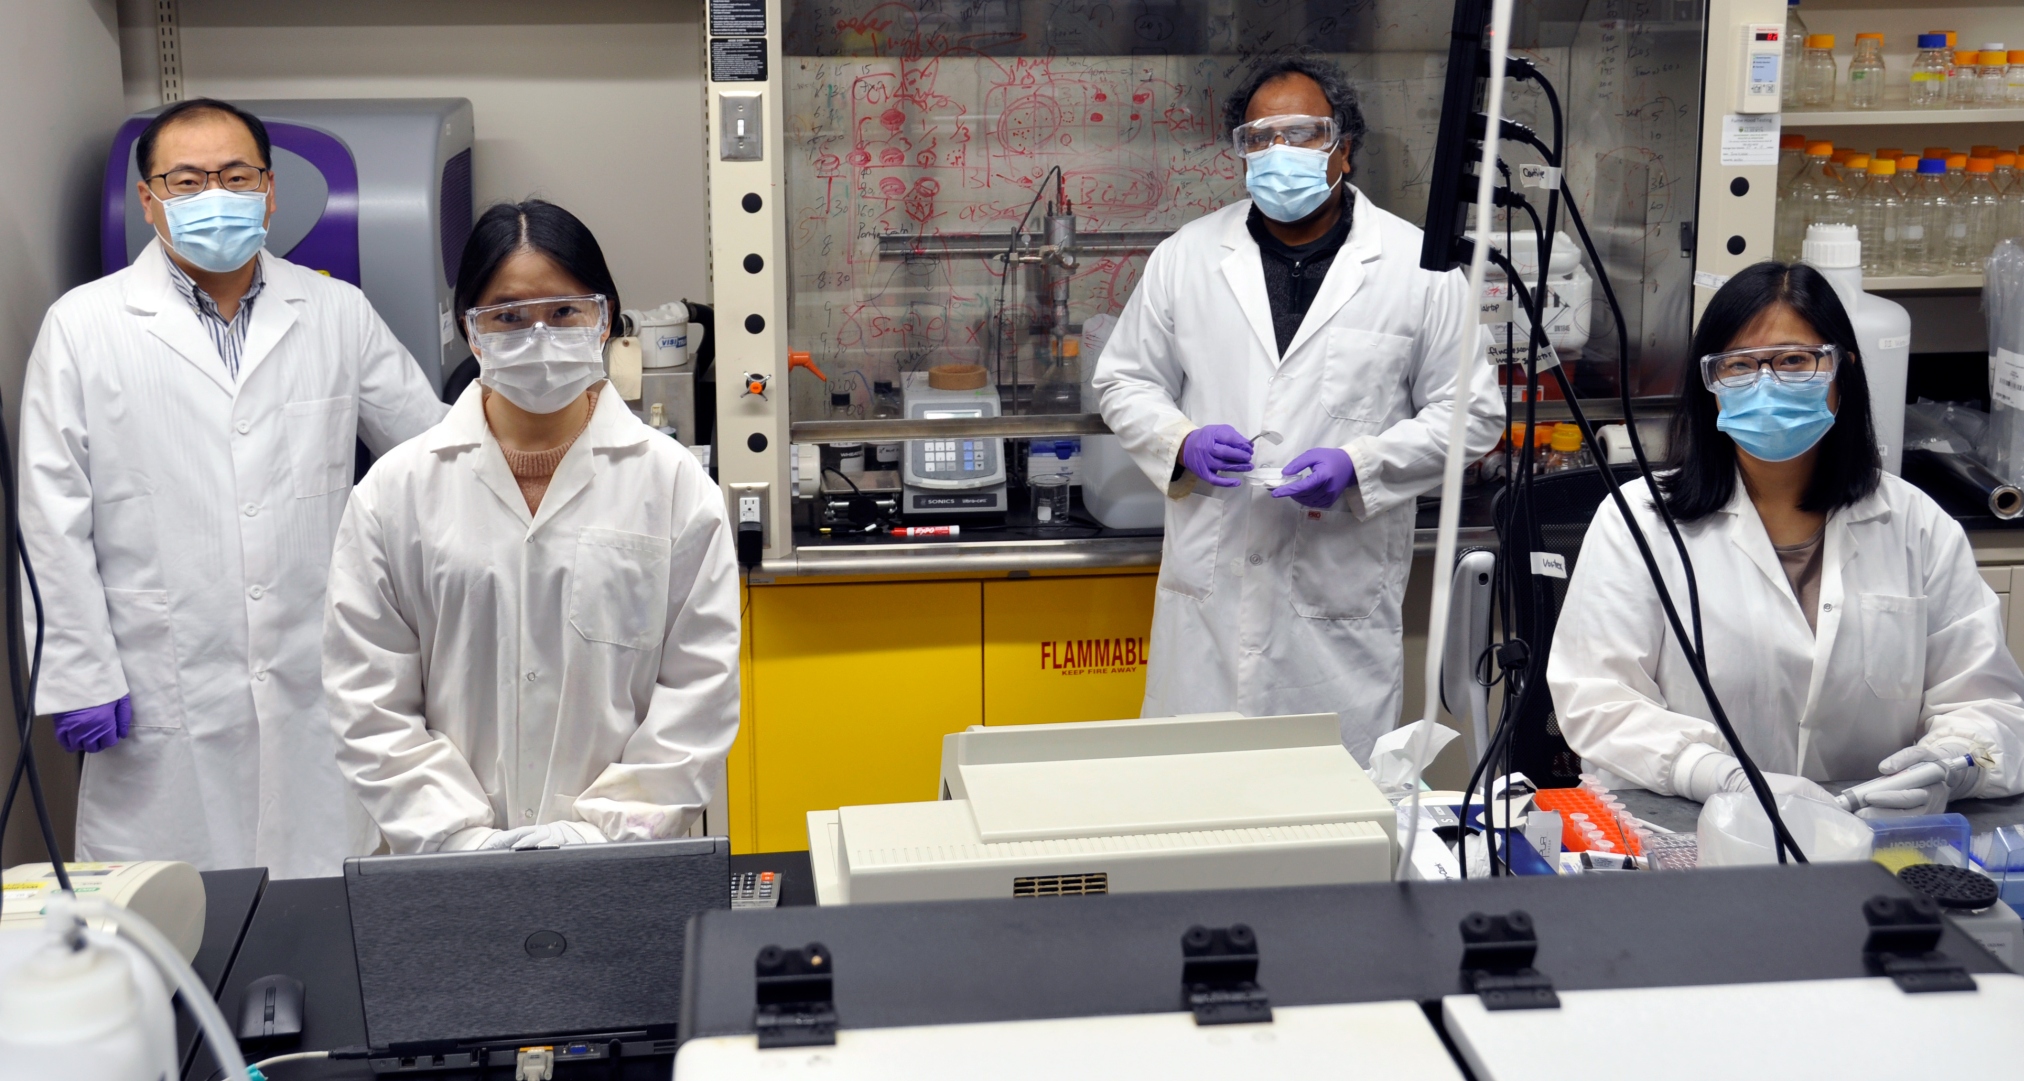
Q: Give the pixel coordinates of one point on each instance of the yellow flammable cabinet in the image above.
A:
(850, 685)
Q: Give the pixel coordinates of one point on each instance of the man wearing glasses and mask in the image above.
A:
(187, 435)
(1285, 372)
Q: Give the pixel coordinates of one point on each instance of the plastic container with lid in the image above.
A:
(1815, 196)
(2013, 79)
(1818, 73)
(1929, 72)
(1883, 334)
(1866, 72)
(1957, 171)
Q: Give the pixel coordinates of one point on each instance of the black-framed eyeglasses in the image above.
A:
(1739, 368)
(177, 182)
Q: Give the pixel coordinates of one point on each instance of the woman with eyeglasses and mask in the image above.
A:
(532, 631)
(1846, 629)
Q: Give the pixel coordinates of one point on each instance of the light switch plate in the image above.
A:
(741, 126)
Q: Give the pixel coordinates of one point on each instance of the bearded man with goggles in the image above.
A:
(1285, 372)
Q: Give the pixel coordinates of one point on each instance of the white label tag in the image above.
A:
(1705, 280)
(447, 329)
(2006, 379)
(1550, 564)
(1750, 139)
(1493, 311)
(1899, 342)
(1532, 175)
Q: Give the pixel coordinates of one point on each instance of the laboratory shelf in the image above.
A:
(1926, 283)
(1899, 113)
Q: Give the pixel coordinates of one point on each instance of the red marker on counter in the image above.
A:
(926, 530)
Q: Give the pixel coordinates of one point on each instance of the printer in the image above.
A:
(1131, 806)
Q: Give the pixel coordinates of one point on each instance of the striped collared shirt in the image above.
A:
(228, 336)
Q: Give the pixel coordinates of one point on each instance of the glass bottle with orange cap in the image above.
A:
(1818, 73)
(1879, 215)
(1865, 73)
(1972, 232)
(1964, 89)
(1990, 79)
(1805, 196)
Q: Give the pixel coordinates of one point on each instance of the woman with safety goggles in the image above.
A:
(1845, 627)
(532, 633)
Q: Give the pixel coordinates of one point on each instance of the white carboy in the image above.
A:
(1883, 331)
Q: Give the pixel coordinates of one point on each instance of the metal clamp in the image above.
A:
(1903, 934)
(1219, 976)
(796, 997)
(1497, 954)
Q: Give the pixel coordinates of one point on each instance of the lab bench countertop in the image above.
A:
(1019, 543)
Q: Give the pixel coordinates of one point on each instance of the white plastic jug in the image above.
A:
(1883, 331)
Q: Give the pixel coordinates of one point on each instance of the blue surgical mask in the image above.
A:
(1774, 421)
(1287, 182)
(217, 230)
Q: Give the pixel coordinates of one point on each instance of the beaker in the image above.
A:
(1050, 499)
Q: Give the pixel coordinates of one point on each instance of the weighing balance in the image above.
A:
(961, 476)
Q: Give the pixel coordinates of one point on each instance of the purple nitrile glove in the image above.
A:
(95, 728)
(1329, 474)
(1216, 448)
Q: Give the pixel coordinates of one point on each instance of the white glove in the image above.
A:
(1711, 771)
(545, 835)
(1932, 799)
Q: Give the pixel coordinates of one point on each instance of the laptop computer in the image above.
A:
(472, 958)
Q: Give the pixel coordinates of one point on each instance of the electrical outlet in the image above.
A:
(749, 518)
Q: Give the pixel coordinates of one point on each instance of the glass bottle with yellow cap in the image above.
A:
(1565, 451)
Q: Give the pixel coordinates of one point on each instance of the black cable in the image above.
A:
(23, 696)
(1629, 419)
(34, 680)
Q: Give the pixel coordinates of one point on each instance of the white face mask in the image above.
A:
(541, 369)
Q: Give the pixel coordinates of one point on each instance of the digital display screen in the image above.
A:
(950, 414)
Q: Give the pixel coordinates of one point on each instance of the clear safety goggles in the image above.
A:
(584, 312)
(1306, 132)
(1739, 368)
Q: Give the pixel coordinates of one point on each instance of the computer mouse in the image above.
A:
(272, 1007)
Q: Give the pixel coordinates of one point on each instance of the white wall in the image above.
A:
(593, 104)
(59, 75)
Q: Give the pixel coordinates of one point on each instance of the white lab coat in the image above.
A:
(488, 668)
(1265, 606)
(1910, 643)
(180, 527)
